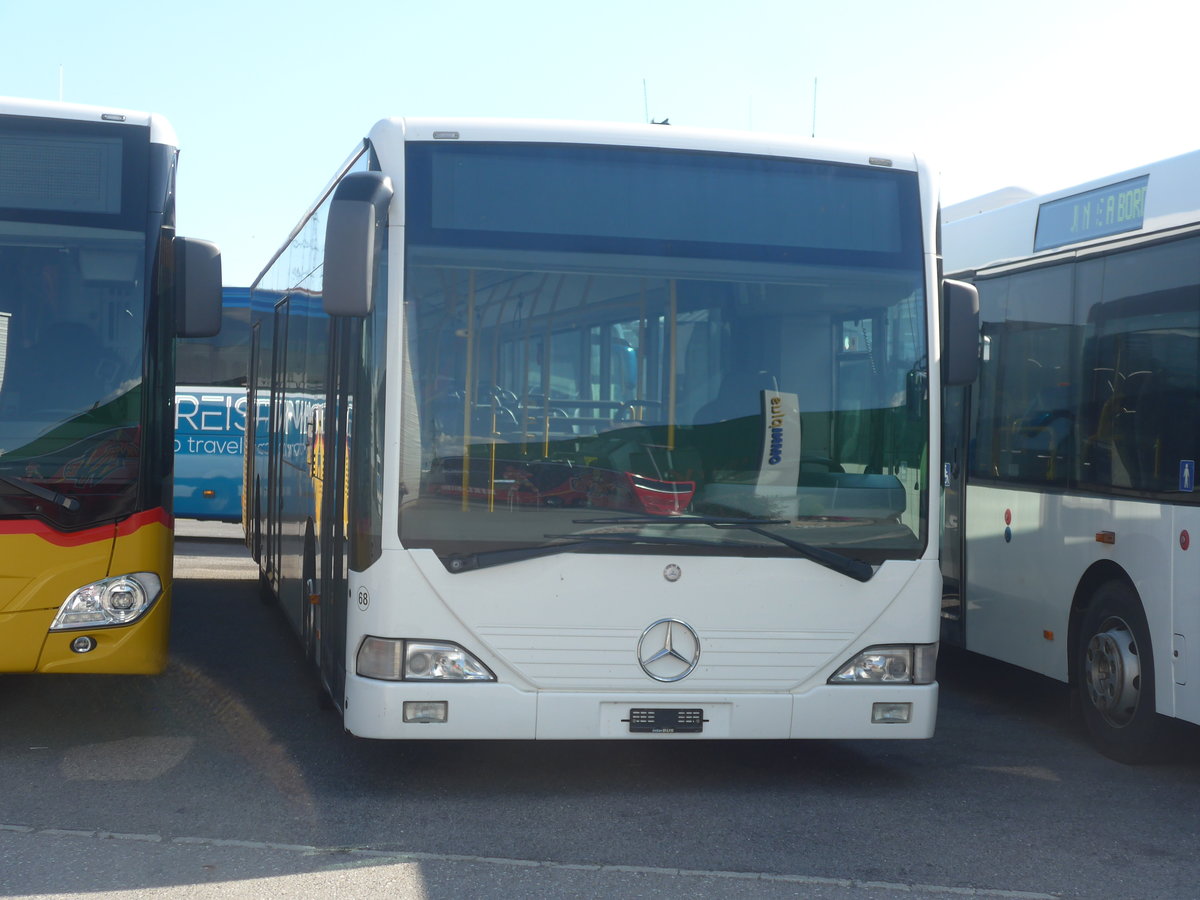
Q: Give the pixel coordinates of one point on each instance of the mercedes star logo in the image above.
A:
(669, 650)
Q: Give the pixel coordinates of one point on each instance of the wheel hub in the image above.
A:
(1113, 673)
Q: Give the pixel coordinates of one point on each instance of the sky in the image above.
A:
(268, 98)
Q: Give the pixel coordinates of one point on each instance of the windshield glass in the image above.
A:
(72, 319)
(617, 331)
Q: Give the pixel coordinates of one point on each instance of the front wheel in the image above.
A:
(1115, 668)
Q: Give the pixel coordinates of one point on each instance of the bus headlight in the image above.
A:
(108, 602)
(394, 659)
(898, 664)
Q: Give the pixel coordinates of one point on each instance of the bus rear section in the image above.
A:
(591, 431)
(93, 289)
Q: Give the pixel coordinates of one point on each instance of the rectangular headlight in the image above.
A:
(424, 661)
(397, 659)
(891, 664)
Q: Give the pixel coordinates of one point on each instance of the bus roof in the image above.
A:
(1146, 199)
(388, 136)
(161, 131)
(388, 132)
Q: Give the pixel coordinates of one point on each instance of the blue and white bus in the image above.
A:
(210, 416)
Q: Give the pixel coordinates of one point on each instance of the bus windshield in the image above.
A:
(72, 321)
(676, 335)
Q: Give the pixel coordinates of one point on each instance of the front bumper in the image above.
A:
(374, 709)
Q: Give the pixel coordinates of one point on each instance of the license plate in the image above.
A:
(666, 721)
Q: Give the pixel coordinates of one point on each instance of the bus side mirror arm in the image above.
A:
(960, 332)
(357, 216)
(197, 288)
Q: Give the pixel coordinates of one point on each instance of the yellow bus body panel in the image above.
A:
(42, 567)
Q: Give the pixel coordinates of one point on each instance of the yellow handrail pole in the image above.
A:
(467, 398)
(492, 476)
(547, 365)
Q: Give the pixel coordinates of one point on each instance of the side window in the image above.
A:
(1139, 407)
(1025, 419)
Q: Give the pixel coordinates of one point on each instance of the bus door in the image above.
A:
(251, 481)
(331, 529)
(278, 444)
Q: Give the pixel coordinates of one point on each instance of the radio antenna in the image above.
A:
(814, 121)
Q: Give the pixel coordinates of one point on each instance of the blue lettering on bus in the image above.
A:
(776, 456)
(776, 449)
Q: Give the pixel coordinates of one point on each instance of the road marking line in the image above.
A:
(400, 856)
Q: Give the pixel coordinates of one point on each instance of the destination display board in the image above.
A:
(1112, 209)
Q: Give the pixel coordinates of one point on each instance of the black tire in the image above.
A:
(308, 586)
(324, 700)
(1114, 665)
(266, 593)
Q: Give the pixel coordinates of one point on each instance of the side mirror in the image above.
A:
(357, 215)
(960, 333)
(197, 288)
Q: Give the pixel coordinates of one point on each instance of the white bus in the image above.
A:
(568, 430)
(1071, 464)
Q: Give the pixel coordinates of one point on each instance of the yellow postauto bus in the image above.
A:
(94, 288)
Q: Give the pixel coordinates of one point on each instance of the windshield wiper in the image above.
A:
(843, 565)
(715, 521)
(68, 503)
(457, 564)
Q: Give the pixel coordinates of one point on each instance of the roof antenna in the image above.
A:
(814, 122)
(646, 107)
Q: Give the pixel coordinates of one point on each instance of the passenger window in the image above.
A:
(1025, 427)
(1140, 413)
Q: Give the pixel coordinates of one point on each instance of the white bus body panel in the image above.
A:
(389, 135)
(161, 131)
(566, 654)
(1184, 675)
(1007, 233)
(1020, 590)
